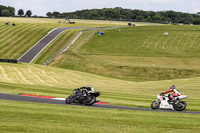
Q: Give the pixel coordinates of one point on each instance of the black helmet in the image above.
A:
(172, 87)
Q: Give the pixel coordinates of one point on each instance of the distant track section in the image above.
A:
(74, 39)
(32, 53)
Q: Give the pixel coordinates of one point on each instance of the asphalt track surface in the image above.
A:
(12, 97)
(44, 42)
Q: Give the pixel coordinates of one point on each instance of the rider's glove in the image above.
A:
(161, 94)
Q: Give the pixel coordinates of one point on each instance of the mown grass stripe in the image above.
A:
(61, 78)
(165, 45)
(10, 40)
(21, 76)
(50, 78)
(193, 43)
(4, 74)
(158, 42)
(18, 38)
(38, 78)
(8, 30)
(17, 44)
(12, 32)
(151, 42)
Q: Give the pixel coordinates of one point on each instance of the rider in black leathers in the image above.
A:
(83, 91)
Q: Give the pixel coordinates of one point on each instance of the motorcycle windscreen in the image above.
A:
(182, 97)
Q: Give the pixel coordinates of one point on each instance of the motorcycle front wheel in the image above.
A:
(180, 106)
(155, 104)
(69, 100)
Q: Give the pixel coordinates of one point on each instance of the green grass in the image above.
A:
(137, 54)
(182, 41)
(58, 44)
(54, 22)
(16, 40)
(50, 81)
(35, 117)
(129, 67)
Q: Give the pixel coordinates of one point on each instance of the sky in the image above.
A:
(41, 7)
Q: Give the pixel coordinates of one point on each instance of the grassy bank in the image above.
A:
(137, 54)
(58, 44)
(16, 40)
(34, 117)
(50, 81)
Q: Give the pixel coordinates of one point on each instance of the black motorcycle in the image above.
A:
(82, 96)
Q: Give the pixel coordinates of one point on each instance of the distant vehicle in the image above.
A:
(162, 102)
(71, 22)
(101, 33)
(83, 96)
(130, 24)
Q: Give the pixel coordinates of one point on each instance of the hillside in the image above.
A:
(50, 81)
(16, 40)
(129, 67)
(137, 54)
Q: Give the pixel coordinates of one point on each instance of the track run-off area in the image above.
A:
(22, 98)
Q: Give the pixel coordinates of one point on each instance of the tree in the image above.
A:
(2, 8)
(148, 19)
(21, 12)
(12, 10)
(196, 22)
(140, 17)
(56, 14)
(157, 17)
(49, 14)
(119, 13)
(29, 13)
(5, 12)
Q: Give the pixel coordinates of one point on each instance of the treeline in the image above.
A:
(7, 11)
(121, 14)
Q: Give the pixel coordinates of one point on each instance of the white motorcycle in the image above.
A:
(162, 102)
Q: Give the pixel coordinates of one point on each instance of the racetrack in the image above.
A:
(12, 97)
(31, 54)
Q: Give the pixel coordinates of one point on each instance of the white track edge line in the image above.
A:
(62, 99)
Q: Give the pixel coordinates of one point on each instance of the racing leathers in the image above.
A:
(86, 89)
(174, 94)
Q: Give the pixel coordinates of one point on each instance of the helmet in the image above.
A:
(89, 85)
(172, 87)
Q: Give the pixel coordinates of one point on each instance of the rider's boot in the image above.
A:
(172, 107)
(98, 100)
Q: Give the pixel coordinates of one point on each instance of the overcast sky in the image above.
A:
(41, 7)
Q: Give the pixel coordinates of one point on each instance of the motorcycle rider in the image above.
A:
(172, 97)
(88, 89)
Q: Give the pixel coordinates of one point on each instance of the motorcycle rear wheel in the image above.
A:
(180, 106)
(69, 100)
(155, 104)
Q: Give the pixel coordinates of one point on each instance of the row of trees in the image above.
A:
(21, 13)
(10, 11)
(7, 11)
(119, 13)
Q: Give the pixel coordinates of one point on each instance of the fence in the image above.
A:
(8, 60)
